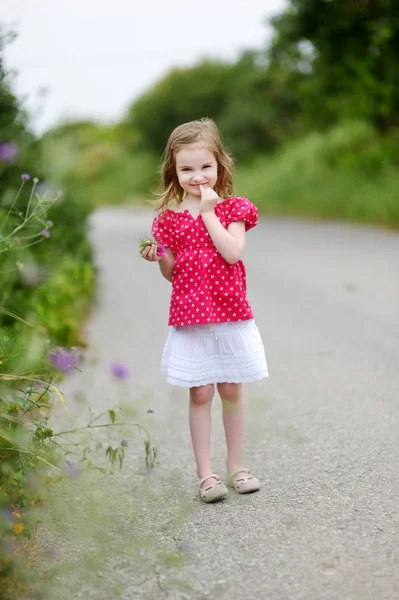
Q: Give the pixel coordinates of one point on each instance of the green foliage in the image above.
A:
(94, 167)
(342, 174)
(50, 288)
(328, 62)
(32, 454)
(254, 108)
(50, 285)
(61, 304)
(350, 53)
(329, 65)
(183, 95)
(14, 129)
(262, 108)
(12, 120)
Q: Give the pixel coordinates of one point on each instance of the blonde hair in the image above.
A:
(202, 130)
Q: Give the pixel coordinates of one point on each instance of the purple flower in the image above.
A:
(49, 224)
(63, 359)
(71, 469)
(7, 515)
(45, 233)
(161, 250)
(25, 176)
(124, 443)
(8, 152)
(119, 370)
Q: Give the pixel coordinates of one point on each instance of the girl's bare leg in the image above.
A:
(200, 426)
(233, 421)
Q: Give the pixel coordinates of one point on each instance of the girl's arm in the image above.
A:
(167, 264)
(229, 242)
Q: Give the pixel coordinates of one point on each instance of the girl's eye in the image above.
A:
(186, 169)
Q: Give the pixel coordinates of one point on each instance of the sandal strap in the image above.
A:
(209, 477)
(244, 470)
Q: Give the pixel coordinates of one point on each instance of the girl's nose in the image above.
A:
(197, 178)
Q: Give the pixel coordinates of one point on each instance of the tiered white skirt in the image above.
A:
(216, 353)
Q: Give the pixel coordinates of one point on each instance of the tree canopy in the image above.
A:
(328, 61)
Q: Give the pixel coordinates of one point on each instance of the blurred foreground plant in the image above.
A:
(32, 453)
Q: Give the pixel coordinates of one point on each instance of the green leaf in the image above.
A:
(112, 415)
(12, 314)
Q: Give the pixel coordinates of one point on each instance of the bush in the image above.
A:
(347, 173)
(93, 165)
(61, 304)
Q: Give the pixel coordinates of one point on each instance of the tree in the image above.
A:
(16, 141)
(183, 95)
(263, 107)
(350, 52)
(253, 108)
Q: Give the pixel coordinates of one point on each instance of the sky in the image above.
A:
(77, 59)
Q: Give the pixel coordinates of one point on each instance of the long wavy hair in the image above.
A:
(205, 131)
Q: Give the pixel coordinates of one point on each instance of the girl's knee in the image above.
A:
(231, 392)
(202, 394)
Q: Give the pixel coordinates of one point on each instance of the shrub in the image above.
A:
(347, 173)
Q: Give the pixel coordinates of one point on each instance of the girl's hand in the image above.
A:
(152, 252)
(209, 199)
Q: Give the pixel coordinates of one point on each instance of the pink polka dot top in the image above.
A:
(205, 288)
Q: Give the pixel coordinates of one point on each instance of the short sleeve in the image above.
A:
(162, 227)
(241, 209)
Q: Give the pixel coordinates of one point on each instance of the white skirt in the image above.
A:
(230, 352)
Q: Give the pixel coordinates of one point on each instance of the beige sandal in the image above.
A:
(216, 490)
(243, 482)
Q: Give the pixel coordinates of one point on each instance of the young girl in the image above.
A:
(213, 338)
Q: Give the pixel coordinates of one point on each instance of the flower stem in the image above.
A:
(103, 425)
(12, 206)
(30, 199)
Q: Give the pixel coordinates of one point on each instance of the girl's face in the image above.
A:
(195, 166)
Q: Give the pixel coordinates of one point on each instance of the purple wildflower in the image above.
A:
(8, 152)
(161, 251)
(124, 443)
(119, 370)
(63, 359)
(7, 515)
(71, 469)
(25, 176)
(45, 233)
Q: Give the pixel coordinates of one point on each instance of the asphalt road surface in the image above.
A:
(322, 433)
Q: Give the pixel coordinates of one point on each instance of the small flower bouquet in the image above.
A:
(146, 241)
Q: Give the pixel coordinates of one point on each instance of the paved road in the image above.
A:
(322, 432)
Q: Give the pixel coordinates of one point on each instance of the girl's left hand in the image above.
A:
(209, 199)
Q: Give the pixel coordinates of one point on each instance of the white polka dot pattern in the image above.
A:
(205, 288)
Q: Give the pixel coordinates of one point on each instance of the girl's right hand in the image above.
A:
(150, 253)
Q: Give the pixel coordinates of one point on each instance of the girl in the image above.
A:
(213, 338)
